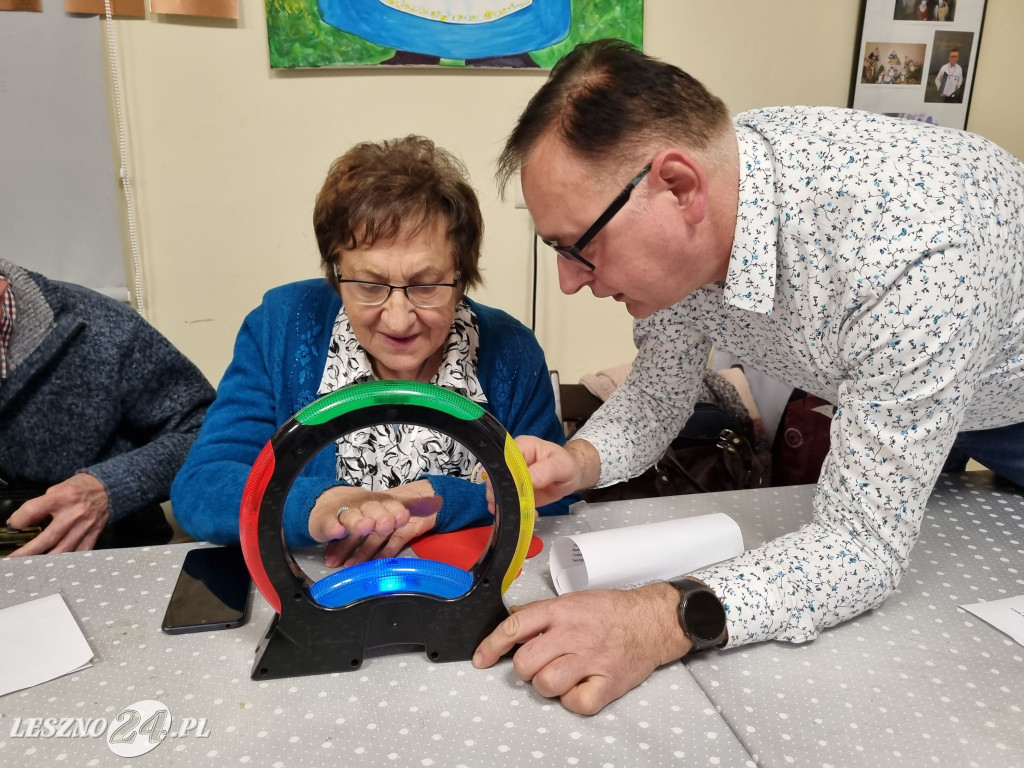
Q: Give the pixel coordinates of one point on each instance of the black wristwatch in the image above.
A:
(701, 614)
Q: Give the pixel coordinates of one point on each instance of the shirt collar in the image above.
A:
(750, 283)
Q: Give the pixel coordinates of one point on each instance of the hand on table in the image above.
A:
(589, 648)
(361, 525)
(78, 509)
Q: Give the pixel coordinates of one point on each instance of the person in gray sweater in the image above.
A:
(97, 413)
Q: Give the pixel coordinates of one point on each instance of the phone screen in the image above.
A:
(212, 592)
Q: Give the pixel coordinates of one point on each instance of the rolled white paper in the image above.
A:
(640, 554)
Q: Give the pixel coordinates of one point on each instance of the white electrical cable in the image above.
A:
(122, 143)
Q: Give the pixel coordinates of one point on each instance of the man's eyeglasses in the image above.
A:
(573, 251)
(422, 295)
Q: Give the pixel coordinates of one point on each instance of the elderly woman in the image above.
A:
(399, 231)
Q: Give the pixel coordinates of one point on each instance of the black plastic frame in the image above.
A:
(307, 638)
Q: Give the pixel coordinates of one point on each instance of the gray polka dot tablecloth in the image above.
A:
(916, 682)
(399, 709)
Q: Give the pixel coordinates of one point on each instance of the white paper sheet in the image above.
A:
(639, 554)
(39, 641)
(1006, 615)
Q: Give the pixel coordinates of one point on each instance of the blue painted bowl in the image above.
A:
(540, 24)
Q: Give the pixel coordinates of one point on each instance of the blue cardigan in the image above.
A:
(276, 370)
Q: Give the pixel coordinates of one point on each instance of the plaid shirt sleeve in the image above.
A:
(7, 315)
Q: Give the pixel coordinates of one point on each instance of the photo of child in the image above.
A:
(947, 70)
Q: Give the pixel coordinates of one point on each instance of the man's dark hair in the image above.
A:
(607, 100)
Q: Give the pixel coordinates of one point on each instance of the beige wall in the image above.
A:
(227, 155)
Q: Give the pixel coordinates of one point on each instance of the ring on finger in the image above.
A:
(338, 513)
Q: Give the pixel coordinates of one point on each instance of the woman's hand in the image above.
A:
(361, 525)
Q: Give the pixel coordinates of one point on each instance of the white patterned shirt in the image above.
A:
(879, 264)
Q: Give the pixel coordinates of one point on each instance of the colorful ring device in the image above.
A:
(327, 626)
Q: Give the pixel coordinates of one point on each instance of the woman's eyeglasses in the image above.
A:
(572, 252)
(422, 295)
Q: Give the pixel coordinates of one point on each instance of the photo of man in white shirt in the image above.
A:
(954, 78)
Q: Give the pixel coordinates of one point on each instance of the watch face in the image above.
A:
(705, 616)
(701, 615)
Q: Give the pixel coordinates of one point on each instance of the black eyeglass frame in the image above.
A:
(404, 288)
(572, 252)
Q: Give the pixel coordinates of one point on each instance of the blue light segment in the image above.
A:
(395, 575)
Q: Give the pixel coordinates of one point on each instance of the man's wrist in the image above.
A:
(588, 460)
(674, 644)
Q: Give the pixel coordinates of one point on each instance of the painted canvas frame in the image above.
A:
(368, 33)
(916, 59)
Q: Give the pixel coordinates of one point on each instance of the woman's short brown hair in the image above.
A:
(380, 190)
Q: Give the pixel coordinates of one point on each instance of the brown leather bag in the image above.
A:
(700, 465)
(694, 464)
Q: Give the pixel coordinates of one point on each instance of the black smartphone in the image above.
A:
(213, 592)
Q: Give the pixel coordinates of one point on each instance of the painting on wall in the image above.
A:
(452, 33)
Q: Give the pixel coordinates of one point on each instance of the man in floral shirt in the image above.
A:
(875, 262)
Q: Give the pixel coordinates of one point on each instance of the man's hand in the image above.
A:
(79, 509)
(589, 648)
(555, 471)
(361, 525)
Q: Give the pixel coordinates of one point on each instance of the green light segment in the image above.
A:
(372, 393)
